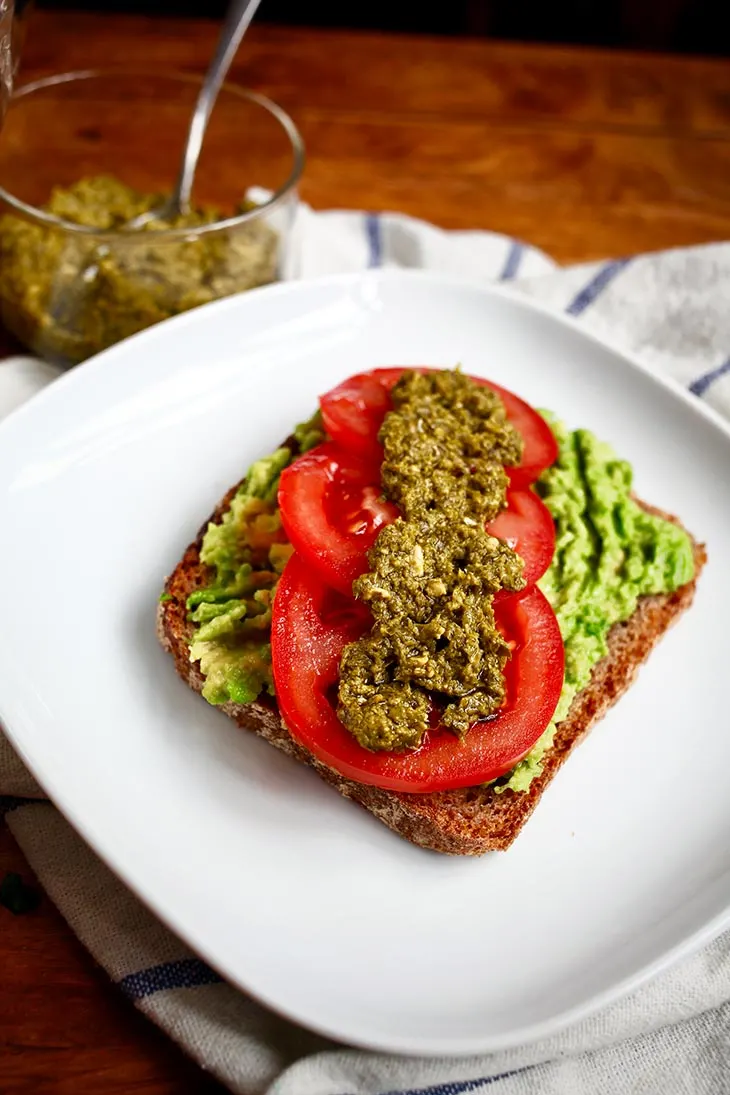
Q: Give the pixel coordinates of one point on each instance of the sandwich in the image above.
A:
(429, 592)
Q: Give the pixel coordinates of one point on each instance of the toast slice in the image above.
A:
(472, 820)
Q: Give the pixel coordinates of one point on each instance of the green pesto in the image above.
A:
(68, 298)
(435, 569)
(609, 552)
(247, 551)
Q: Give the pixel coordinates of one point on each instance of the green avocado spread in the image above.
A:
(434, 572)
(246, 551)
(608, 553)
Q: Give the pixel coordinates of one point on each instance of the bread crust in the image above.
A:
(471, 820)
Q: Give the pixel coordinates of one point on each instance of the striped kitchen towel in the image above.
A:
(670, 1037)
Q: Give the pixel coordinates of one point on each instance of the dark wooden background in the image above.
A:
(677, 26)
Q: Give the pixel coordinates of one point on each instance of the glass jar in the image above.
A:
(71, 289)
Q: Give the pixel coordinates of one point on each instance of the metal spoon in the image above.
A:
(236, 23)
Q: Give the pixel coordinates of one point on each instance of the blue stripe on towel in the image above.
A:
(186, 973)
(595, 286)
(513, 260)
(459, 1087)
(375, 239)
(702, 383)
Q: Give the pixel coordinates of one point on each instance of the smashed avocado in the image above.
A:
(247, 551)
(608, 553)
(435, 569)
(68, 296)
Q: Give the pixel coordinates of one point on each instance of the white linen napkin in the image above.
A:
(670, 1037)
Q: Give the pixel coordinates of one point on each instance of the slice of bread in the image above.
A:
(469, 821)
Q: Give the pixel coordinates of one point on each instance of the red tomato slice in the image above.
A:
(353, 413)
(332, 511)
(527, 526)
(310, 628)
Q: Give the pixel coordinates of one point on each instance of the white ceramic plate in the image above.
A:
(293, 893)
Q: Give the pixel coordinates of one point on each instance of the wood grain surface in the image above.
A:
(586, 154)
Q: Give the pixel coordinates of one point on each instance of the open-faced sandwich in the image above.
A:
(429, 593)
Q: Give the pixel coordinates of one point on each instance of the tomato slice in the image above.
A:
(540, 449)
(353, 413)
(527, 526)
(311, 626)
(332, 511)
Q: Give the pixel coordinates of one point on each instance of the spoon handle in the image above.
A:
(239, 15)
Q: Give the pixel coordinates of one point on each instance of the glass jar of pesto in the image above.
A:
(84, 153)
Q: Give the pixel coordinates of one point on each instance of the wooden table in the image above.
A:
(585, 154)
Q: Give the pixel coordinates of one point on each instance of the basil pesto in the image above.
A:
(67, 296)
(435, 569)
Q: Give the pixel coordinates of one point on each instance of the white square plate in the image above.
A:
(290, 891)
